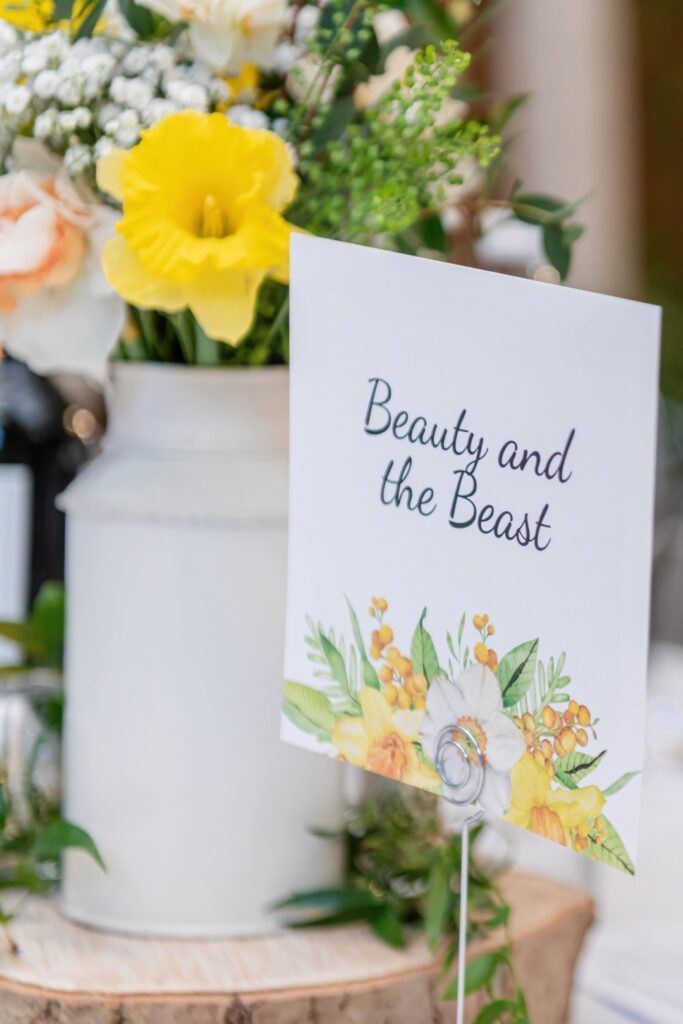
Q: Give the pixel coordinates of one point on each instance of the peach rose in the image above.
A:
(56, 310)
(42, 235)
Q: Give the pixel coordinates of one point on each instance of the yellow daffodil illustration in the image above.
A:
(201, 227)
(549, 812)
(384, 741)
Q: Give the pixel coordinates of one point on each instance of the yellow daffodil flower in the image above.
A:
(383, 741)
(201, 227)
(549, 812)
(30, 15)
(39, 15)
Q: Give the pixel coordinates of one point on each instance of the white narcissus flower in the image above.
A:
(475, 703)
(226, 34)
(57, 313)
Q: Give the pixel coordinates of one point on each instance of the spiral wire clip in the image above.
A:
(460, 762)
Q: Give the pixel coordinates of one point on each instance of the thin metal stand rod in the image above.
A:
(462, 930)
(463, 784)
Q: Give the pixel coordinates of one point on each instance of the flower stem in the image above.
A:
(207, 351)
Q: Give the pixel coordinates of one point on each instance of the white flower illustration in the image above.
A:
(475, 703)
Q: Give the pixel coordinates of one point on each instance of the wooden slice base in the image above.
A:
(66, 974)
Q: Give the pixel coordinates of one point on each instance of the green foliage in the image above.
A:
(34, 836)
(41, 635)
(394, 160)
(401, 876)
(554, 217)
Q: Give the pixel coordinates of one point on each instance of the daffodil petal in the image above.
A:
(530, 788)
(110, 173)
(574, 806)
(350, 740)
(376, 714)
(223, 302)
(133, 282)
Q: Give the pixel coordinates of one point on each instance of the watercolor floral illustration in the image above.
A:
(382, 706)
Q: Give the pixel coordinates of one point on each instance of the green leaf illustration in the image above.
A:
(309, 710)
(571, 768)
(423, 652)
(620, 783)
(334, 660)
(370, 677)
(612, 851)
(516, 672)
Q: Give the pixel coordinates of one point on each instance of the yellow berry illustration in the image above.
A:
(393, 655)
(404, 667)
(584, 715)
(573, 708)
(548, 717)
(481, 653)
(371, 611)
(547, 748)
(567, 740)
(493, 661)
(420, 683)
(382, 605)
(375, 652)
(528, 722)
(484, 619)
(490, 629)
(478, 622)
(582, 737)
(385, 674)
(386, 635)
(391, 693)
(403, 699)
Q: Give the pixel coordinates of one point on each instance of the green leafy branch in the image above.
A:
(401, 876)
(34, 837)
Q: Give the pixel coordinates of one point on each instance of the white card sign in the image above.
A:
(472, 470)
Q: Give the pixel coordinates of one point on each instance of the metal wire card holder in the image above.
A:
(460, 763)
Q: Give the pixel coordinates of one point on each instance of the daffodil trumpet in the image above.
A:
(201, 234)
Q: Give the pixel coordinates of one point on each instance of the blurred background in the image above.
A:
(602, 124)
